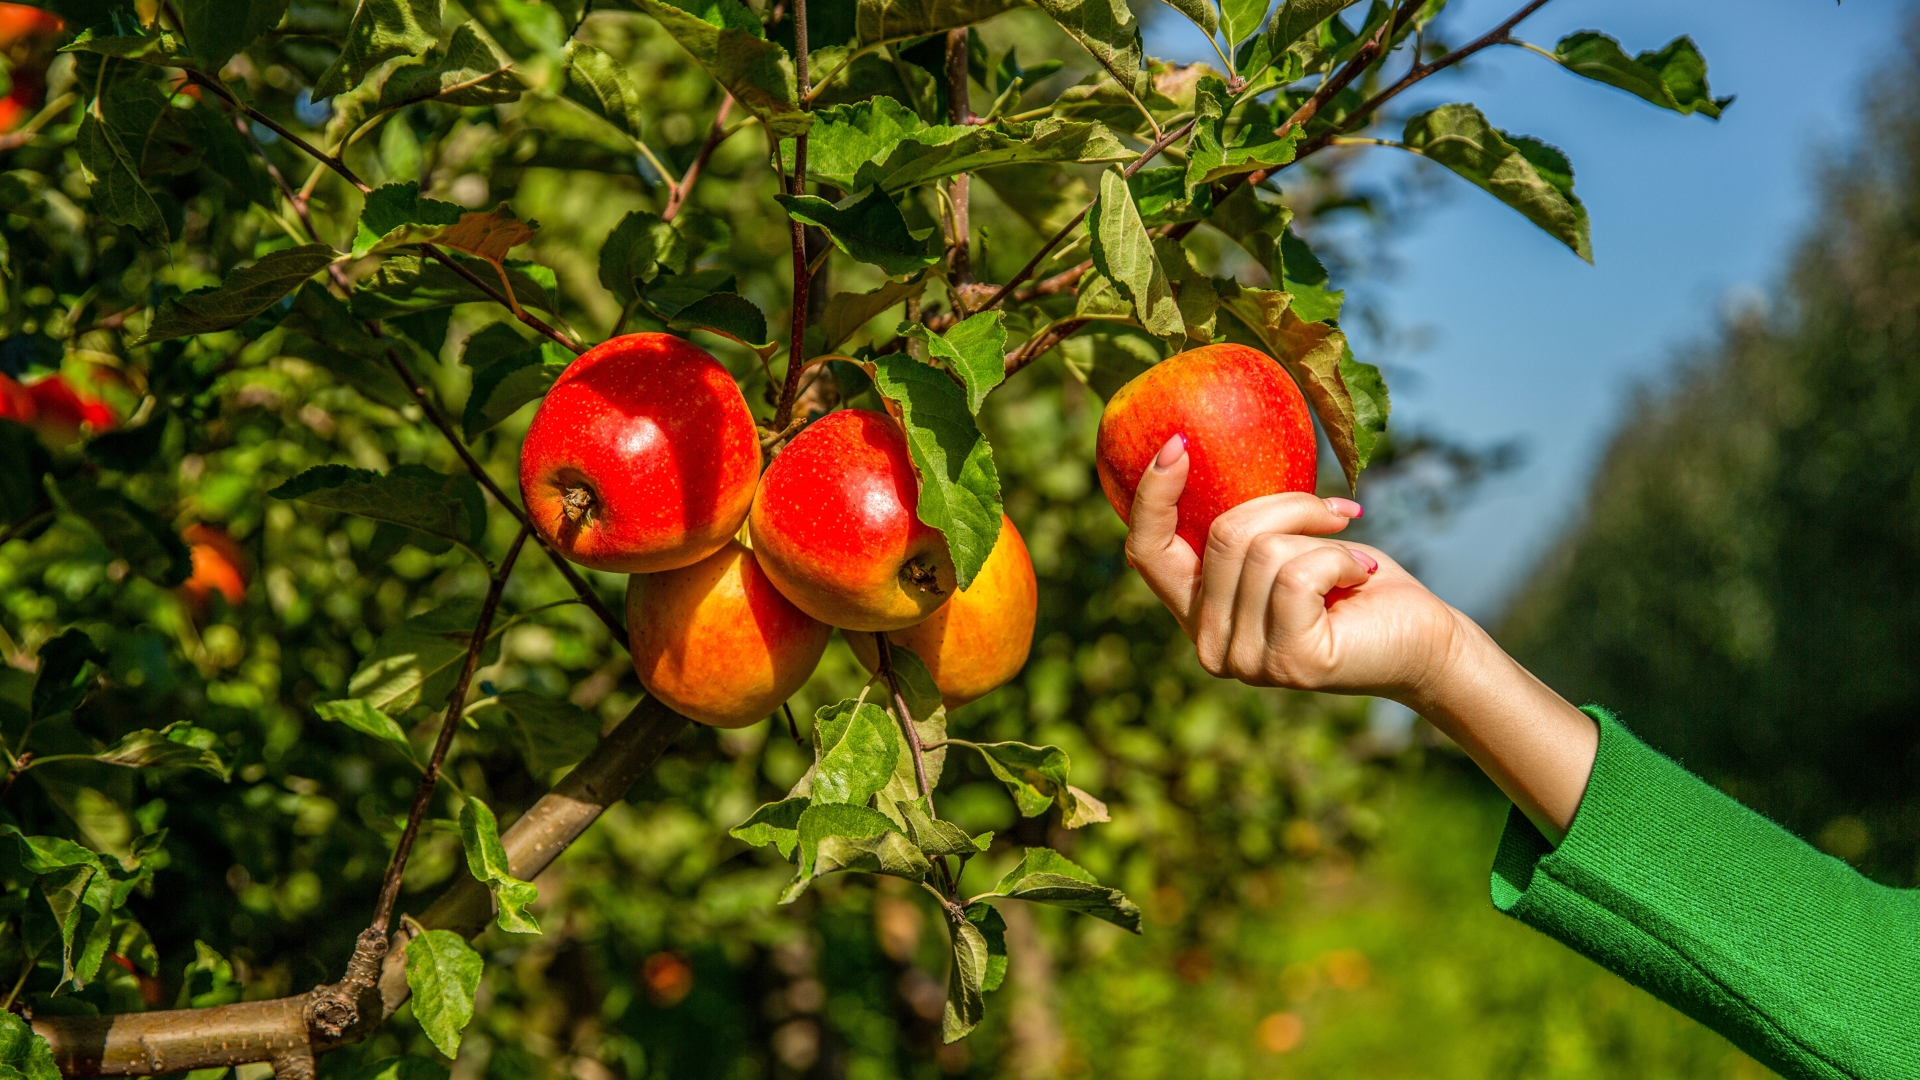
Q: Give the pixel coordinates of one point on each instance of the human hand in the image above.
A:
(1272, 604)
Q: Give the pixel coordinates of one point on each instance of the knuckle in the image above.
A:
(1226, 534)
(1296, 577)
(1269, 547)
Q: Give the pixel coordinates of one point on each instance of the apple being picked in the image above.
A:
(834, 526)
(716, 641)
(1246, 424)
(980, 638)
(643, 457)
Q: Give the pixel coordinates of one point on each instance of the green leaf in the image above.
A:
(380, 31)
(966, 980)
(974, 351)
(553, 734)
(395, 214)
(959, 486)
(994, 928)
(845, 137)
(416, 662)
(443, 972)
(1316, 355)
(364, 718)
(937, 838)
(1212, 156)
(883, 143)
(69, 665)
(838, 836)
(508, 372)
(219, 28)
(1526, 174)
(858, 744)
(24, 461)
(637, 250)
(729, 315)
(776, 823)
(151, 548)
(1193, 292)
(179, 745)
(406, 283)
(1109, 32)
(869, 227)
(1123, 252)
(878, 21)
(599, 84)
(471, 70)
(847, 313)
(1200, 12)
(1295, 19)
(1241, 19)
(118, 193)
(240, 296)
(25, 1052)
(1163, 197)
(1047, 877)
(1306, 281)
(726, 38)
(1674, 77)
(162, 49)
(487, 862)
(415, 496)
(1036, 776)
(401, 1068)
(66, 872)
(1105, 362)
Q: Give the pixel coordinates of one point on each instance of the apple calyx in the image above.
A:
(922, 575)
(576, 501)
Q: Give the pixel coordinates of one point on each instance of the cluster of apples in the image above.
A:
(57, 412)
(643, 459)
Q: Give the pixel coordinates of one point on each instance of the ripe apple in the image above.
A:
(219, 566)
(1247, 428)
(26, 22)
(62, 413)
(834, 526)
(16, 404)
(642, 458)
(979, 639)
(717, 642)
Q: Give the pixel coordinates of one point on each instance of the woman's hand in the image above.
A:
(1272, 603)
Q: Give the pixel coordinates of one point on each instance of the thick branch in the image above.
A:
(178, 1040)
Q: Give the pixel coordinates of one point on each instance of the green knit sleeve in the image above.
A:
(1799, 960)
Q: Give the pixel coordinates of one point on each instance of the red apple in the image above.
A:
(63, 413)
(25, 22)
(834, 526)
(16, 403)
(642, 458)
(980, 638)
(219, 566)
(717, 642)
(1247, 428)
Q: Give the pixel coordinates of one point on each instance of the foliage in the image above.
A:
(289, 243)
(1740, 586)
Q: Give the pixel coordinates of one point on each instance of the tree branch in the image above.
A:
(797, 233)
(715, 136)
(179, 1040)
(456, 703)
(959, 113)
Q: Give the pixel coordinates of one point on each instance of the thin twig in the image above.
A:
(478, 282)
(716, 135)
(456, 702)
(959, 113)
(1152, 151)
(797, 234)
(906, 718)
(268, 122)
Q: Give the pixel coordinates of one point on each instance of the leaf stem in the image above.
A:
(456, 702)
(906, 718)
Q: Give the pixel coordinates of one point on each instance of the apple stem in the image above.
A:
(577, 500)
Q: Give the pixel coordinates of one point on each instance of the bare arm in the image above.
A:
(1272, 603)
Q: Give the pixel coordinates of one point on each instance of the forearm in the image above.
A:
(1535, 745)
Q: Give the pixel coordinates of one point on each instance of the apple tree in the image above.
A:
(283, 284)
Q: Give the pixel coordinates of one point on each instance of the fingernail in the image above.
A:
(1364, 559)
(1346, 508)
(1170, 453)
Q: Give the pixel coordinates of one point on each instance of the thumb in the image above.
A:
(1167, 562)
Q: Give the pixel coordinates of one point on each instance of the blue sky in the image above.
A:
(1690, 218)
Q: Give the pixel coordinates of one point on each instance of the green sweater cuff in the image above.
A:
(1790, 954)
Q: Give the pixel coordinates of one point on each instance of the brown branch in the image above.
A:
(715, 136)
(1419, 71)
(960, 192)
(538, 325)
(797, 235)
(202, 79)
(456, 702)
(1152, 151)
(178, 1040)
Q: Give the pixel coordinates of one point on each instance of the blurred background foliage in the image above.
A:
(1313, 882)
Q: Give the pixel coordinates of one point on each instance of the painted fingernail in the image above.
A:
(1365, 560)
(1170, 453)
(1346, 508)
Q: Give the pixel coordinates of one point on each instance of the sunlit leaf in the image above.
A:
(240, 296)
(966, 981)
(858, 743)
(487, 862)
(727, 39)
(364, 717)
(601, 85)
(1047, 877)
(869, 227)
(443, 972)
(973, 351)
(380, 31)
(1317, 356)
(25, 1052)
(776, 823)
(1524, 173)
(959, 486)
(416, 661)
(847, 313)
(178, 745)
(1109, 32)
(1674, 77)
(1123, 252)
